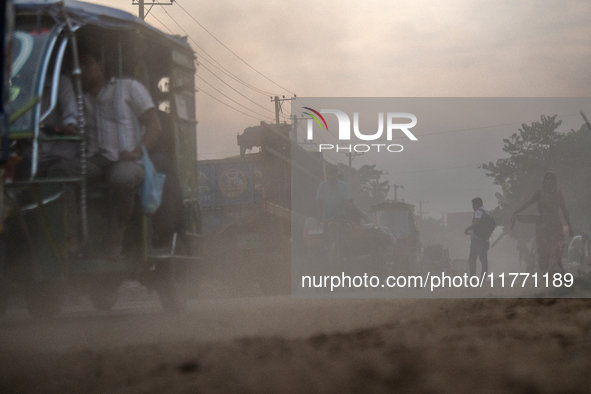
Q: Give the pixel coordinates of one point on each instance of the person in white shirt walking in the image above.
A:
(479, 243)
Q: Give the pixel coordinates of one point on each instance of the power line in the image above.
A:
(214, 74)
(232, 52)
(221, 68)
(266, 109)
(227, 105)
(453, 190)
(217, 75)
(435, 169)
(162, 24)
(229, 98)
(482, 127)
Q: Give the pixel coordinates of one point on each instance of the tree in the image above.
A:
(534, 150)
(365, 186)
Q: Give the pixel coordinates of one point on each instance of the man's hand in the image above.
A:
(133, 155)
(69, 129)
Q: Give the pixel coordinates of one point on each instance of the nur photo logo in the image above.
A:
(392, 120)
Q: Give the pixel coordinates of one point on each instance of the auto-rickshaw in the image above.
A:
(399, 218)
(156, 253)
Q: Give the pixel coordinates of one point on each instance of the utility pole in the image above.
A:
(140, 3)
(278, 103)
(294, 128)
(375, 188)
(395, 189)
(295, 123)
(377, 184)
(421, 202)
(351, 155)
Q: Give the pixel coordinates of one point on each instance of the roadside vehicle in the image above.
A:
(435, 259)
(6, 29)
(399, 218)
(358, 248)
(44, 51)
(341, 244)
(253, 209)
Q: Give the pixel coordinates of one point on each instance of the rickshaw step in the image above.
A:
(62, 138)
(44, 181)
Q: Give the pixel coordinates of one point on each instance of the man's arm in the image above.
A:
(149, 120)
(529, 202)
(475, 224)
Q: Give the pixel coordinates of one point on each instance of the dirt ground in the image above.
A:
(462, 346)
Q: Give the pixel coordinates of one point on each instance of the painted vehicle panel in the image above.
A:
(253, 205)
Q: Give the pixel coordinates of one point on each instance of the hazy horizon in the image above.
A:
(379, 49)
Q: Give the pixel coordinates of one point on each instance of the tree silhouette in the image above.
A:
(365, 186)
(534, 150)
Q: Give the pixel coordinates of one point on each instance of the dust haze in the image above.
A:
(234, 338)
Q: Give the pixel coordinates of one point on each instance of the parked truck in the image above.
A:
(253, 208)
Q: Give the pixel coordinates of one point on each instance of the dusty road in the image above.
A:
(290, 345)
(141, 321)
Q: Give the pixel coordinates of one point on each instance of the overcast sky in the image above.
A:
(384, 48)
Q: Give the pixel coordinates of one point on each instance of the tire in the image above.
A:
(43, 300)
(103, 294)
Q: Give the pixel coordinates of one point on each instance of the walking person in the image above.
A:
(549, 233)
(479, 231)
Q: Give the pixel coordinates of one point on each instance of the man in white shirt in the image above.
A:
(478, 246)
(120, 117)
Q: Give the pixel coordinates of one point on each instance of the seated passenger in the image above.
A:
(116, 111)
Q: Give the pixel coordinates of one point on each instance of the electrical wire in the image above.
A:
(231, 99)
(220, 79)
(227, 105)
(225, 71)
(232, 52)
(255, 103)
